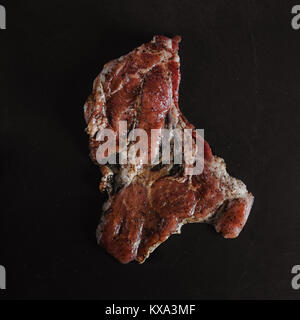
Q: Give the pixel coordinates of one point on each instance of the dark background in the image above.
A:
(241, 83)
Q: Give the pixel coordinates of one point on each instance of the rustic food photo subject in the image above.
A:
(148, 203)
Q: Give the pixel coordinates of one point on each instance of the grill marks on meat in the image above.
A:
(149, 203)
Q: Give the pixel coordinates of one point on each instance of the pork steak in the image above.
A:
(146, 204)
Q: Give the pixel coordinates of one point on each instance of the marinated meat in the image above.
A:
(148, 203)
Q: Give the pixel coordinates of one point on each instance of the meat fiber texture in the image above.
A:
(148, 203)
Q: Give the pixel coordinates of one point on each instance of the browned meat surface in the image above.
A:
(148, 203)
